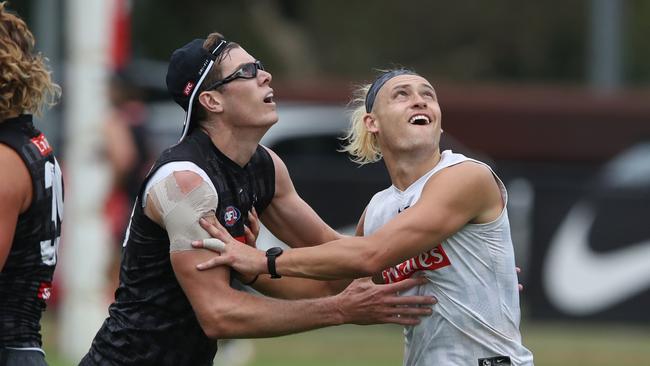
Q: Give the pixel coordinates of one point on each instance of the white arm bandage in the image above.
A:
(181, 212)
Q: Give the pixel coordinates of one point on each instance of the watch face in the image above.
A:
(275, 251)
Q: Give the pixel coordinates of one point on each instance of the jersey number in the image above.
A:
(53, 180)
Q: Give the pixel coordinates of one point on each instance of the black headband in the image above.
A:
(379, 82)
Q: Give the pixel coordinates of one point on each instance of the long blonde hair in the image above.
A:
(25, 82)
(360, 143)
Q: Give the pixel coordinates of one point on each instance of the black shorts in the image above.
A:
(21, 357)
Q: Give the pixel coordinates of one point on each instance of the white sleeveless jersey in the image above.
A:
(472, 274)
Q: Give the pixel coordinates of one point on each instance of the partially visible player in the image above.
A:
(31, 192)
(444, 218)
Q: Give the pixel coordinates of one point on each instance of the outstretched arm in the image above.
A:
(456, 196)
(224, 312)
(227, 313)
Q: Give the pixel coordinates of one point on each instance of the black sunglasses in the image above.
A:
(247, 71)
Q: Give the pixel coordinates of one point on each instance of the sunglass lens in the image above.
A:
(249, 70)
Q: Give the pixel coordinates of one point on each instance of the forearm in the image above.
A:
(347, 258)
(404, 237)
(354, 257)
(250, 316)
(298, 288)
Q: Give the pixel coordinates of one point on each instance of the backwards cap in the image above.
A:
(188, 67)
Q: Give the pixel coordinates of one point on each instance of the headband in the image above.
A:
(379, 82)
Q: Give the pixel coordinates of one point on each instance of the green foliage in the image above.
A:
(465, 40)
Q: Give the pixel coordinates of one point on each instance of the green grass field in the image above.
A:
(553, 344)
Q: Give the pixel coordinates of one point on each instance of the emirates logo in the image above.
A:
(431, 260)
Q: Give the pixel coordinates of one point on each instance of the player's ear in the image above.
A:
(371, 123)
(211, 101)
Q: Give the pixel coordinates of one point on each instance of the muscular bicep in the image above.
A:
(178, 201)
(448, 202)
(289, 217)
(202, 288)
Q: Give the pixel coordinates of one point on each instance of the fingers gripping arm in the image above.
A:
(224, 312)
(448, 202)
(227, 313)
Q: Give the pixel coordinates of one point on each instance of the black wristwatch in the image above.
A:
(271, 254)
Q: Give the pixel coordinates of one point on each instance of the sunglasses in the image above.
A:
(247, 71)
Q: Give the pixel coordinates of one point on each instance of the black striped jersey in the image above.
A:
(26, 278)
(151, 321)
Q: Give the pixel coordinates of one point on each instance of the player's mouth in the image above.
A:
(268, 98)
(420, 120)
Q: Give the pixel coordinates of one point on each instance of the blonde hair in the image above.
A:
(25, 82)
(361, 144)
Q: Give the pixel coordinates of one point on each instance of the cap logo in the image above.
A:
(205, 63)
(188, 88)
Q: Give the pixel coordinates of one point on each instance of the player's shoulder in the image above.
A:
(187, 180)
(467, 170)
(185, 174)
(474, 168)
(461, 180)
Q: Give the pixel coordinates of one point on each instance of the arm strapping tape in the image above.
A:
(181, 212)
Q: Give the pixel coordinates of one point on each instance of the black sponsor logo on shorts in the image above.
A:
(494, 361)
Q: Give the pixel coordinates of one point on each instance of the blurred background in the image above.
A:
(555, 95)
